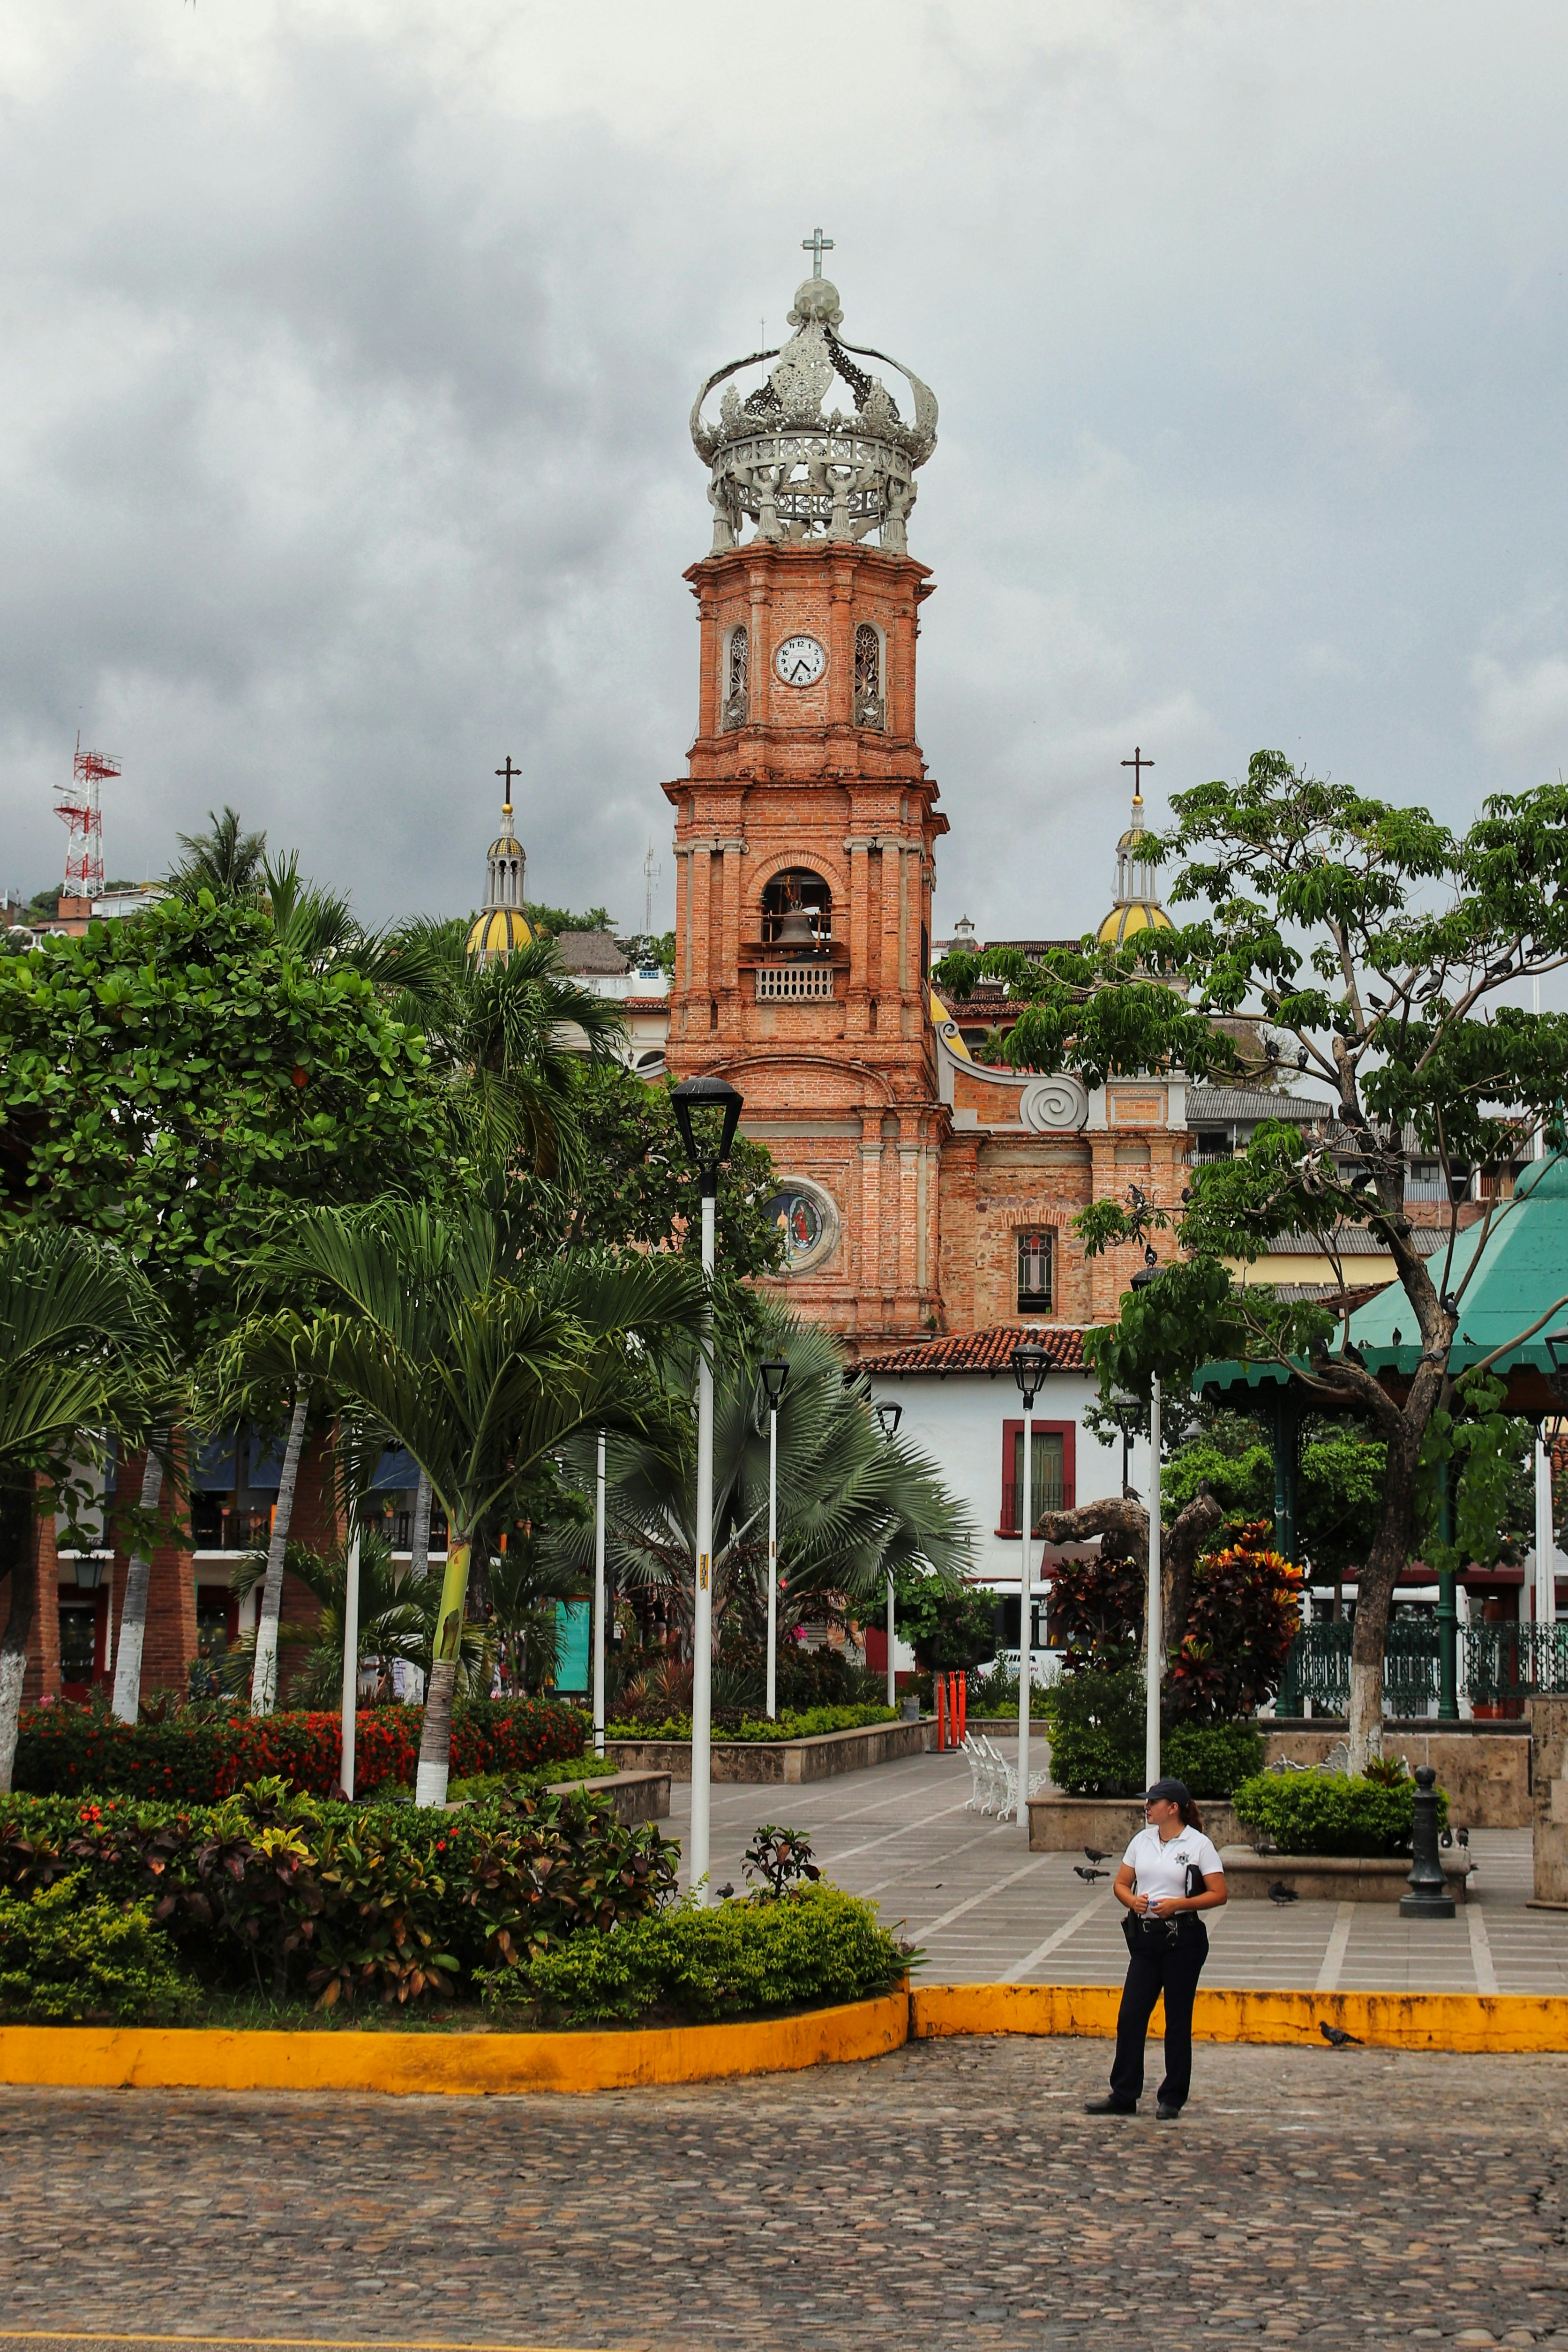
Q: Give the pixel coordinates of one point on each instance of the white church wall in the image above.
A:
(957, 1421)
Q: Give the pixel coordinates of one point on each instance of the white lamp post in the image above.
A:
(716, 1096)
(351, 1663)
(1030, 1365)
(774, 1373)
(1155, 1630)
(599, 1604)
(890, 1414)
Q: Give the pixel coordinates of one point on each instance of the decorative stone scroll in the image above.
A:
(796, 473)
(1052, 1105)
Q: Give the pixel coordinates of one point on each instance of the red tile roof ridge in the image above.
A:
(987, 1350)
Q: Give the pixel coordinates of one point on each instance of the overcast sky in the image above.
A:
(347, 349)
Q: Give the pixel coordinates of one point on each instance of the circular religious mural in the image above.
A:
(809, 1221)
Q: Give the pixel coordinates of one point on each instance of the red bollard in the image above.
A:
(939, 1694)
(962, 1709)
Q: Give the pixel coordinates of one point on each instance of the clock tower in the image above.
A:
(806, 826)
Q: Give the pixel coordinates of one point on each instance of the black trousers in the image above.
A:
(1157, 1966)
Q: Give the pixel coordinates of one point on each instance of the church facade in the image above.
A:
(922, 1194)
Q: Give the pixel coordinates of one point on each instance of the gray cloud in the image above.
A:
(347, 354)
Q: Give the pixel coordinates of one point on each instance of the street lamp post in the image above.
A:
(1125, 1409)
(1030, 1365)
(1155, 1630)
(599, 1602)
(716, 1096)
(351, 1663)
(890, 1414)
(774, 1373)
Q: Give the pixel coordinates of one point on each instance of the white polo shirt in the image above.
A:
(1161, 1865)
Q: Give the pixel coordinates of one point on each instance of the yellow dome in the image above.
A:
(497, 932)
(1136, 915)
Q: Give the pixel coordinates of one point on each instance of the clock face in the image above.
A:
(799, 661)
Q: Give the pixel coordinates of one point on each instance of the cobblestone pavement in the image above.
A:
(951, 2195)
(986, 1910)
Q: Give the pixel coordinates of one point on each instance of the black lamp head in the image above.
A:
(1460, 1185)
(774, 1374)
(1125, 1408)
(1030, 1365)
(708, 1094)
(889, 1412)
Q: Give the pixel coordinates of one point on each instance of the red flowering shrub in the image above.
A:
(199, 1760)
(1246, 1610)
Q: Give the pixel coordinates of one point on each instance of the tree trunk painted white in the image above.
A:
(264, 1673)
(14, 1653)
(134, 1607)
(436, 1732)
(1365, 1739)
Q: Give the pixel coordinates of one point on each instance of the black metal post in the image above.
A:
(1429, 1898)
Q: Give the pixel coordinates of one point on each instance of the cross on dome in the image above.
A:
(816, 244)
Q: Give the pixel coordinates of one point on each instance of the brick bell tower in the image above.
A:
(805, 828)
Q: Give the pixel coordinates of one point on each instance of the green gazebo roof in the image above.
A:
(1522, 1275)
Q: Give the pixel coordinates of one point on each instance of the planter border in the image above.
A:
(115, 2058)
(1516, 2022)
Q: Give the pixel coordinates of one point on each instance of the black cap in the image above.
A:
(1174, 1791)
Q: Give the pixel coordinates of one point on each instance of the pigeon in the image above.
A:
(1280, 1893)
(1463, 1836)
(1088, 1877)
(1095, 1853)
(724, 1892)
(1336, 2036)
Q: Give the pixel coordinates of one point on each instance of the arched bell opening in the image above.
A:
(797, 910)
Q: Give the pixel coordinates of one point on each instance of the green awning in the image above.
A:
(1522, 1275)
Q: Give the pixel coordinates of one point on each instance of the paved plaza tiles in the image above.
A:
(951, 2196)
(989, 1912)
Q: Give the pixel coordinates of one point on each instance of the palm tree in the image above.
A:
(82, 1351)
(442, 1338)
(852, 1504)
(511, 1036)
(396, 1620)
(226, 859)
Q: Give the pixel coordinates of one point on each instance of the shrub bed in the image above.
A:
(333, 1902)
(809, 1724)
(1331, 1813)
(200, 1759)
(739, 1959)
(1212, 1758)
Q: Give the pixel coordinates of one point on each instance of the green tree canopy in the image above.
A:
(1382, 949)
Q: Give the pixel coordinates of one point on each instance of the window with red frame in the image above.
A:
(1053, 1471)
(1035, 1256)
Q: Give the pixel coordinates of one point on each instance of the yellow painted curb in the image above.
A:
(111, 2058)
(1384, 2020)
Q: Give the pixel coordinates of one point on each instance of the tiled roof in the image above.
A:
(980, 1351)
(1356, 1240)
(1218, 1106)
(590, 951)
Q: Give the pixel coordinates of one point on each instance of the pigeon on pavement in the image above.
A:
(1336, 2036)
(1280, 1893)
(1088, 1877)
(1096, 1853)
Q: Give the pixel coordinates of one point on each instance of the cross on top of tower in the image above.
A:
(1137, 763)
(816, 244)
(509, 772)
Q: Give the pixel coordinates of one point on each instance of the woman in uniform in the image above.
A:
(1170, 1876)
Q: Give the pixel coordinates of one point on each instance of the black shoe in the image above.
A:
(1108, 2107)
(1166, 2112)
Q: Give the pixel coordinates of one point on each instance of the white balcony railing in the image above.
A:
(794, 983)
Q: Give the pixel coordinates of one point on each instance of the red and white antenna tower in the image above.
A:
(83, 819)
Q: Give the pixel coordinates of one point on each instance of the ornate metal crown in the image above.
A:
(798, 474)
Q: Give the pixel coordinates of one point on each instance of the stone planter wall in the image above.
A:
(639, 1796)
(1484, 1774)
(1331, 1878)
(786, 1762)
(1064, 1824)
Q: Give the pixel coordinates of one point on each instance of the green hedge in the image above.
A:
(69, 1956)
(1212, 1758)
(294, 1897)
(809, 1724)
(739, 1959)
(200, 1759)
(1330, 1813)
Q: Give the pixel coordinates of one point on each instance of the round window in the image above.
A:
(807, 1221)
